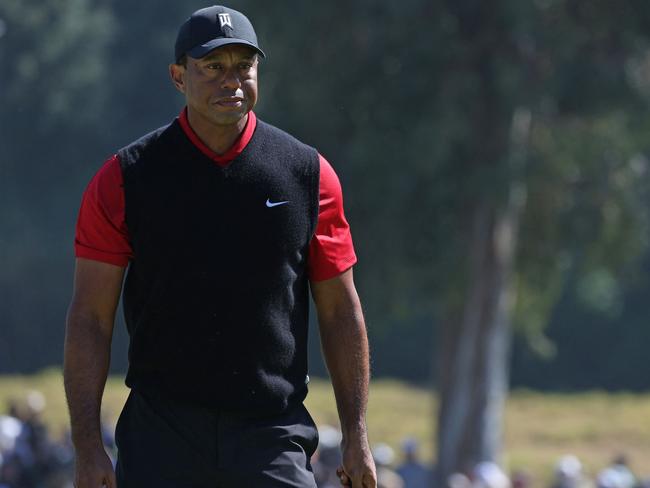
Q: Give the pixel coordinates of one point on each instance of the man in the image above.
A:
(224, 222)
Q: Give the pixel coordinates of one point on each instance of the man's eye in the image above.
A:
(214, 66)
(245, 66)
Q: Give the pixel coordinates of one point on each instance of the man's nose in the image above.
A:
(231, 79)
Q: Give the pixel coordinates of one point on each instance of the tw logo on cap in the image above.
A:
(225, 20)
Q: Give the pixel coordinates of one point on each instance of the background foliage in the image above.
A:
(395, 96)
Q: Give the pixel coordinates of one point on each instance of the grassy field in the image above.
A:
(539, 427)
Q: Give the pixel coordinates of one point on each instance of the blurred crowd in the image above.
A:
(568, 473)
(30, 457)
(408, 471)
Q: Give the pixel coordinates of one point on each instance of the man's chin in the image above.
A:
(229, 118)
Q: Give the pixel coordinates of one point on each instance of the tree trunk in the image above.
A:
(474, 357)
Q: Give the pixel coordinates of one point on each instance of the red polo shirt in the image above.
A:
(102, 235)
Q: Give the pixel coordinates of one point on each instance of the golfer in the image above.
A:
(215, 229)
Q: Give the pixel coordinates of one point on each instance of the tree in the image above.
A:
(52, 84)
(527, 129)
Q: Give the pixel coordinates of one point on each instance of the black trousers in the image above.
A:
(166, 444)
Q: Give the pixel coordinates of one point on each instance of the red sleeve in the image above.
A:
(101, 233)
(331, 251)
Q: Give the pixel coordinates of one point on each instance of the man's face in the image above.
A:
(220, 87)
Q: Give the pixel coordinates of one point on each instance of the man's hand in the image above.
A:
(93, 469)
(345, 348)
(358, 469)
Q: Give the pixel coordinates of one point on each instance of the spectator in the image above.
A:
(384, 456)
(520, 479)
(568, 473)
(617, 475)
(489, 475)
(34, 446)
(414, 473)
(327, 457)
(458, 480)
(10, 430)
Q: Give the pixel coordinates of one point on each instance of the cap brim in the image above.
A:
(197, 52)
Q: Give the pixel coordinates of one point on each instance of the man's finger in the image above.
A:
(343, 477)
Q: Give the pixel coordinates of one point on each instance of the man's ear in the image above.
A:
(176, 73)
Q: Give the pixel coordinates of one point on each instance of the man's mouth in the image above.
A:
(230, 102)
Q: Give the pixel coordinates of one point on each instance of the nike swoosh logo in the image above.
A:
(271, 204)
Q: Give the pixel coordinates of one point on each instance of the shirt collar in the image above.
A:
(235, 150)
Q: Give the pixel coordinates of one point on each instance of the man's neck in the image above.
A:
(218, 138)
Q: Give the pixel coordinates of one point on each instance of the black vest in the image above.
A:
(216, 296)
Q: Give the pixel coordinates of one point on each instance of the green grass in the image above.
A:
(539, 428)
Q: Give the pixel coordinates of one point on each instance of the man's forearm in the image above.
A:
(345, 348)
(85, 368)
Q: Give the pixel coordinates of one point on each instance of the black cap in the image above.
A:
(213, 27)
